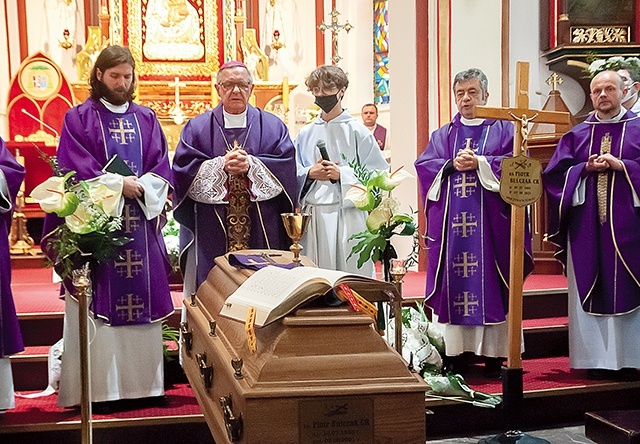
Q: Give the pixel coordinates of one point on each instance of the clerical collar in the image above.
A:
(622, 112)
(118, 109)
(235, 120)
(471, 122)
(371, 128)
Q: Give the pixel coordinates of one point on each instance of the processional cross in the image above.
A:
(527, 171)
(335, 27)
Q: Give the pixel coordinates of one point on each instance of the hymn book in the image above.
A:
(275, 292)
(117, 165)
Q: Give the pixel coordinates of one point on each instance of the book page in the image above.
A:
(270, 287)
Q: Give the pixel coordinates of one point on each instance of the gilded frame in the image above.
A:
(171, 68)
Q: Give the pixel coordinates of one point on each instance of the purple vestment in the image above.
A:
(10, 336)
(605, 255)
(133, 289)
(201, 140)
(380, 133)
(468, 226)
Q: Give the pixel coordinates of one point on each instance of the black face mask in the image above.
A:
(326, 103)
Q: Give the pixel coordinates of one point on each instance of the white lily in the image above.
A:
(53, 198)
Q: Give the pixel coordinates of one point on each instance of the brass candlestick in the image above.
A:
(296, 225)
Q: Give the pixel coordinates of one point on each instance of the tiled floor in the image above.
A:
(565, 435)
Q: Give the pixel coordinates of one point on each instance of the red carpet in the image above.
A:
(180, 402)
(34, 291)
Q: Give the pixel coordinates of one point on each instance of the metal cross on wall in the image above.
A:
(335, 28)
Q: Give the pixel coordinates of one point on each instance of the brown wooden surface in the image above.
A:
(317, 352)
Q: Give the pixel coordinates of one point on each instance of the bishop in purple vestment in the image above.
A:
(233, 139)
(593, 184)
(468, 223)
(11, 175)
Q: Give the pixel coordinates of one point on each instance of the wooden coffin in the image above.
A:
(319, 375)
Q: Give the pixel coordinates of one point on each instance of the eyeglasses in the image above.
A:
(230, 86)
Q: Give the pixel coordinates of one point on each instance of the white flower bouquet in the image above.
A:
(91, 229)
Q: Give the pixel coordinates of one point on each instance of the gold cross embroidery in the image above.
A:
(465, 266)
(132, 304)
(463, 225)
(460, 186)
(121, 131)
(130, 219)
(130, 266)
(468, 302)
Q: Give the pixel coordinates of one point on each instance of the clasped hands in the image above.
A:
(599, 163)
(236, 162)
(324, 170)
(465, 160)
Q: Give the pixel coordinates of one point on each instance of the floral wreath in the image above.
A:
(612, 64)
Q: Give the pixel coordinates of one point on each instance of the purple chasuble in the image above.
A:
(203, 224)
(10, 335)
(380, 133)
(467, 226)
(606, 257)
(134, 288)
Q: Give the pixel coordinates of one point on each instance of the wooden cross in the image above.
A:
(335, 27)
(522, 115)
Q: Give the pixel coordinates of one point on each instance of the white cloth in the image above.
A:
(491, 341)
(334, 219)
(605, 342)
(7, 396)
(125, 362)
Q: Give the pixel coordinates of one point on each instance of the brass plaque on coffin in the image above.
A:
(336, 420)
(521, 182)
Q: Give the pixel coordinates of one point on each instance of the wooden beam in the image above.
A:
(22, 29)
(319, 35)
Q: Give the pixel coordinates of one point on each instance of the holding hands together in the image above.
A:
(465, 160)
(324, 170)
(599, 163)
(236, 162)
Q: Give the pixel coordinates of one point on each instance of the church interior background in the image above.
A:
(401, 53)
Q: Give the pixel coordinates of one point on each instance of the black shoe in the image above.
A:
(627, 374)
(492, 368)
(600, 374)
(457, 365)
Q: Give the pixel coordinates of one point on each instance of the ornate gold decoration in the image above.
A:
(38, 136)
(253, 56)
(238, 220)
(88, 55)
(554, 80)
(603, 179)
(276, 43)
(66, 43)
(175, 68)
(20, 242)
(594, 35)
(335, 28)
(296, 225)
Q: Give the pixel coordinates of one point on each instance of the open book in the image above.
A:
(275, 292)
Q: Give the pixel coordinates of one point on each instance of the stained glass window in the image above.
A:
(381, 51)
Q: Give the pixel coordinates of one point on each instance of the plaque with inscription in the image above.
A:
(336, 420)
(521, 181)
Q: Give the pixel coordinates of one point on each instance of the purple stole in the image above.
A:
(380, 133)
(128, 278)
(469, 267)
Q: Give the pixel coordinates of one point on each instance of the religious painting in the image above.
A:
(173, 37)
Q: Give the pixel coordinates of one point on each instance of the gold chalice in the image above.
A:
(296, 225)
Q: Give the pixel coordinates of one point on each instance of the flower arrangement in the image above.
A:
(616, 63)
(171, 235)
(91, 229)
(384, 221)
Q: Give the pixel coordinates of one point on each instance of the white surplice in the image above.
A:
(333, 218)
